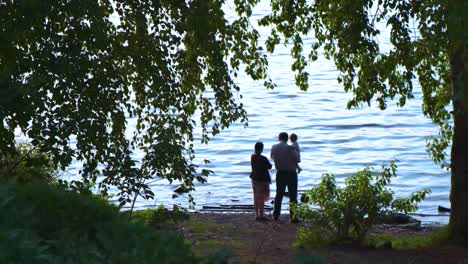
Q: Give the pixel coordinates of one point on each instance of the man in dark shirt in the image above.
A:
(285, 159)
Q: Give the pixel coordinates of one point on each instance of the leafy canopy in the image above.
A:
(27, 165)
(73, 74)
(350, 34)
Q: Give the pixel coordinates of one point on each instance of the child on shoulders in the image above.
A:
(295, 145)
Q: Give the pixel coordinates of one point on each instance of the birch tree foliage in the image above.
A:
(428, 45)
(348, 32)
(73, 73)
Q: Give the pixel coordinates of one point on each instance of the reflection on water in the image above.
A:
(333, 139)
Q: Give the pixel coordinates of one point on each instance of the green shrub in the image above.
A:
(27, 164)
(349, 212)
(161, 215)
(315, 235)
(42, 224)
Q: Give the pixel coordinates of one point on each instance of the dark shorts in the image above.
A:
(261, 190)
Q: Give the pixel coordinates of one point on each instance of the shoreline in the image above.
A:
(252, 241)
(425, 219)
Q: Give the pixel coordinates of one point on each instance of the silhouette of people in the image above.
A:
(260, 180)
(285, 159)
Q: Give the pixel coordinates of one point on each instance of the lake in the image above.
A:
(332, 138)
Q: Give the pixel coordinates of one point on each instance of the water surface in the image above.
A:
(332, 138)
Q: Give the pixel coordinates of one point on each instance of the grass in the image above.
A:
(208, 230)
(43, 224)
(202, 226)
(313, 237)
(208, 246)
(436, 237)
(318, 237)
(157, 217)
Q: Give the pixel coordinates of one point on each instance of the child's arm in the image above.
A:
(298, 151)
(269, 166)
(296, 156)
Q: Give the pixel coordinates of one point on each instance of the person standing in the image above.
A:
(260, 181)
(285, 160)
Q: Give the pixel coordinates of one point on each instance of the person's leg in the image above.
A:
(255, 199)
(260, 199)
(261, 208)
(256, 208)
(280, 187)
(292, 188)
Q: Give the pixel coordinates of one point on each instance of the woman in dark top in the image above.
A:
(260, 180)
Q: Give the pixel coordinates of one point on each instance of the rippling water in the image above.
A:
(332, 139)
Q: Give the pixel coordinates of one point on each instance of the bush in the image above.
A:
(42, 224)
(27, 164)
(315, 235)
(349, 212)
(161, 215)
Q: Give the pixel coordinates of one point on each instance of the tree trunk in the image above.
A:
(459, 181)
(458, 43)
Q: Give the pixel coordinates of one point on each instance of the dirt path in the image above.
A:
(272, 242)
(252, 241)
